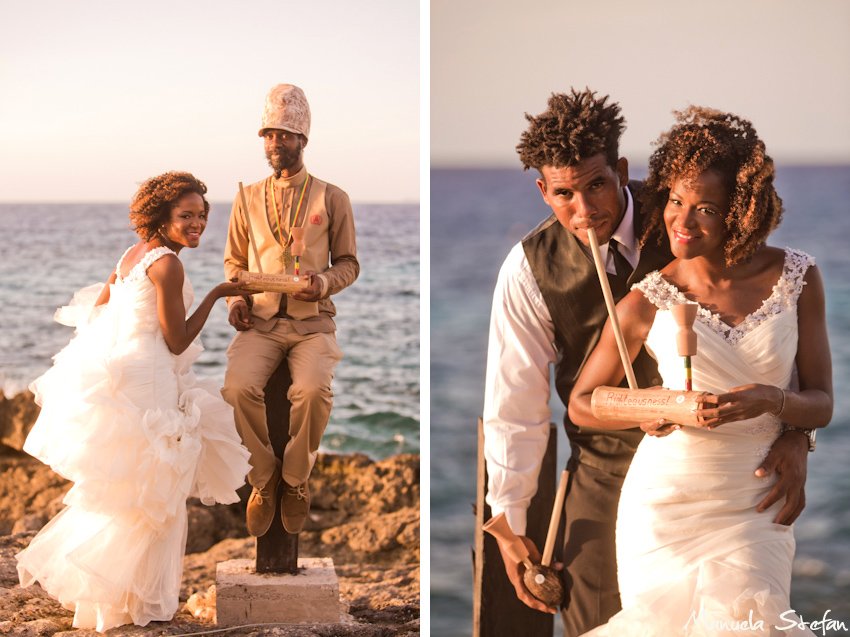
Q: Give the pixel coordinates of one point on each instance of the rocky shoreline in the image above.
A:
(365, 516)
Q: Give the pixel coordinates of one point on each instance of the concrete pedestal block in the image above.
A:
(244, 596)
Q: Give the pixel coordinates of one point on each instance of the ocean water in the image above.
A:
(476, 216)
(48, 251)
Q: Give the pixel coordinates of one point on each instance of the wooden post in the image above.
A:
(497, 610)
(277, 550)
(478, 551)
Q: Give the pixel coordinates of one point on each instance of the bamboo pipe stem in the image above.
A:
(612, 312)
(297, 246)
(250, 229)
(555, 521)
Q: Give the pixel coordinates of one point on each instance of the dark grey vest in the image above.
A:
(568, 282)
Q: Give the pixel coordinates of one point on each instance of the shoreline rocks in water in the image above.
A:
(364, 515)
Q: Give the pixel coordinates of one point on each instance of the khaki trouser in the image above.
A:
(252, 357)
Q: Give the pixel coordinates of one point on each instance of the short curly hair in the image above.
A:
(574, 128)
(708, 139)
(152, 204)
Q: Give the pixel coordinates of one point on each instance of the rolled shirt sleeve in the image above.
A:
(516, 404)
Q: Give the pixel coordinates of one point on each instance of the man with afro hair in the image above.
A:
(548, 308)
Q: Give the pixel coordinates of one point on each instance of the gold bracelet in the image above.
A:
(782, 408)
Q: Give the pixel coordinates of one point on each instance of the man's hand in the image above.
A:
(659, 428)
(240, 316)
(788, 457)
(312, 292)
(516, 570)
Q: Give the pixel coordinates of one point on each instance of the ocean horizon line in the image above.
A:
(222, 202)
(797, 163)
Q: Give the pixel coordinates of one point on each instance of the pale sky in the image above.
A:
(783, 64)
(96, 96)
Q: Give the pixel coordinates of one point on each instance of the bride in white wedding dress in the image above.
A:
(694, 555)
(125, 419)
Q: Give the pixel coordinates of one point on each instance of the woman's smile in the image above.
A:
(695, 214)
(187, 224)
(684, 237)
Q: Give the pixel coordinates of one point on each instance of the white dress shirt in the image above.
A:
(517, 386)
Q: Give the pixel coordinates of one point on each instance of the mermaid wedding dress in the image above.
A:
(694, 556)
(127, 421)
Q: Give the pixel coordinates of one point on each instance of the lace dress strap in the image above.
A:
(659, 292)
(783, 297)
(790, 285)
(139, 270)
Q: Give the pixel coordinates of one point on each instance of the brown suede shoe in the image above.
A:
(261, 506)
(294, 507)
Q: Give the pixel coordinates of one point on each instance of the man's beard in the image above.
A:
(283, 161)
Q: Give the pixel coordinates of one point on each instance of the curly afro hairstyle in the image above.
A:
(708, 139)
(574, 128)
(152, 204)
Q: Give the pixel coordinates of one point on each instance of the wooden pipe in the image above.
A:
(642, 405)
(686, 339)
(542, 581)
(298, 242)
(612, 312)
(498, 527)
(633, 404)
(551, 589)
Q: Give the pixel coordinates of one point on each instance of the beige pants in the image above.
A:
(252, 358)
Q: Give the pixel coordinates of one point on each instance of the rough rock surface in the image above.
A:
(17, 416)
(365, 516)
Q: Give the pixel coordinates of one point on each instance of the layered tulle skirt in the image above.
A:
(137, 433)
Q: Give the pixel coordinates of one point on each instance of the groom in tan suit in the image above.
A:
(298, 327)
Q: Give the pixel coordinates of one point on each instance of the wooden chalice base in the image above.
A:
(545, 584)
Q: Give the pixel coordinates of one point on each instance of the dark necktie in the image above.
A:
(621, 264)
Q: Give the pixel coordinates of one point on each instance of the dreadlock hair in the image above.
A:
(708, 139)
(152, 204)
(574, 128)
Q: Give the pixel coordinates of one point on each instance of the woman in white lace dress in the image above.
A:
(694, 555)
(125, 419)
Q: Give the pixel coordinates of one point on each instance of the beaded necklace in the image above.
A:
(286, 257)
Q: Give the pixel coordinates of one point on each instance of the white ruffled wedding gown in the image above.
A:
(694, 556)
(127, 421)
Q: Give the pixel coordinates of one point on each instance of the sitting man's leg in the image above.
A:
(252, 358)
(311, 363)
